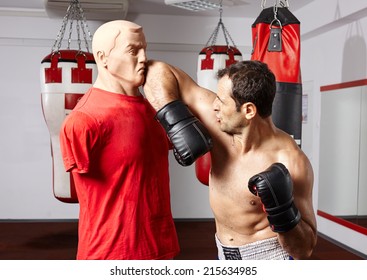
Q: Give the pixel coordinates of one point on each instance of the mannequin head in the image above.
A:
(119, 49)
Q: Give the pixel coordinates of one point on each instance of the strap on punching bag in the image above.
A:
(276, 42)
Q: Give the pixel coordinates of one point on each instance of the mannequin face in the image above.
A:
(126, 60)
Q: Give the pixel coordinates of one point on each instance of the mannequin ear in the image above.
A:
(102, 58)
(249, 110)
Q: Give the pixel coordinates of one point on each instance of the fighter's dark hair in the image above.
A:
(252, 81)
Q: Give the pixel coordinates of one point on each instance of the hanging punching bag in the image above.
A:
(276, 42)
(211, 59)
(65, 76)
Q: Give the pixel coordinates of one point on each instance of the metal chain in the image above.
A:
(60, 35)
(263, 3)
(71, 22)
(283, 3)
(84, 27)
(74, 13)
(225, 31)
(275, 9)
(78, 32)
(213, 37)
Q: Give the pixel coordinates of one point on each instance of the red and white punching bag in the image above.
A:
(211, 59)
(276, 42)
(65, 76)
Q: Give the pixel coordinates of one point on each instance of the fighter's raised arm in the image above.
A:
(165, 83)
(163, 87)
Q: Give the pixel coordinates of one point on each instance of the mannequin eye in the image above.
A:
(132, 51)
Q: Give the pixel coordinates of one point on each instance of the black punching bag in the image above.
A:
(276, 42)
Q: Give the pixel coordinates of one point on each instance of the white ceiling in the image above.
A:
(231, 8)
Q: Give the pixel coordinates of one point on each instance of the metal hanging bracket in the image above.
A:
(275, 39)
(275, 20)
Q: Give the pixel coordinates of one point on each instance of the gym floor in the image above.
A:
(57, 240)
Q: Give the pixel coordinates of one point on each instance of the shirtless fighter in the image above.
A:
(260, 186)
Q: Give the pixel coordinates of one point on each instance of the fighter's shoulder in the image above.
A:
(293, 156)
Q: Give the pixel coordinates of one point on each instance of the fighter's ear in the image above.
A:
(249, 110)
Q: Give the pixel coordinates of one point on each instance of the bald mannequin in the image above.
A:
(117, 154)
(119, 51)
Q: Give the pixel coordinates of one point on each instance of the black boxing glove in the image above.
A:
(189, 137)
(275, 188)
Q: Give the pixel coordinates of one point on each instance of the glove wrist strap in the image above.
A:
(173, 113)
(286, 220)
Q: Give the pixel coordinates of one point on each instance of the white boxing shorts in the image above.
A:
(267, 249)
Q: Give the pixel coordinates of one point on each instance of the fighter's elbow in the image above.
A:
(305, 252)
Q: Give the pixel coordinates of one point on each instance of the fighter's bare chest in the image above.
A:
(233, 172)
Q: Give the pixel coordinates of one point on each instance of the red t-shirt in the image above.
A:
(118, 155)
